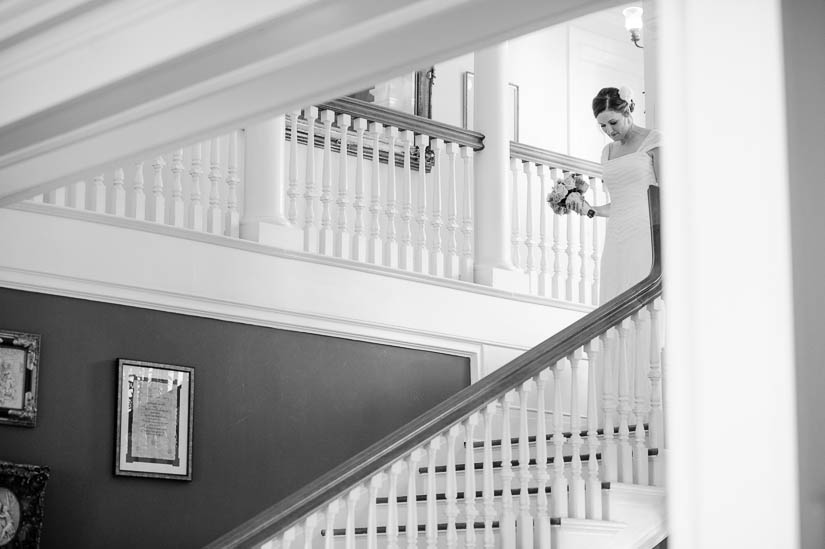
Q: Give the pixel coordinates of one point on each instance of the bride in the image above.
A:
(630, 164)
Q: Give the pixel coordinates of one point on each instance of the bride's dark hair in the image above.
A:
(608, 99)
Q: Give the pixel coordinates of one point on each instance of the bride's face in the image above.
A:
(614, 124)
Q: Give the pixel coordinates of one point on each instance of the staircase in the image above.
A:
(565, 444)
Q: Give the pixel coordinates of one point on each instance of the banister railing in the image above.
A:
(429, 429)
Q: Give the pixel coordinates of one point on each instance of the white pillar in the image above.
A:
(493, 266)
(264, 218)
(729, 365)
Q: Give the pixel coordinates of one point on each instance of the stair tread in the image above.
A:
(549, 436)
(460, 495)
(515, 463)
(402, 529)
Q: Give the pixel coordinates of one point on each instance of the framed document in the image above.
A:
(154, 420)
(19, 367)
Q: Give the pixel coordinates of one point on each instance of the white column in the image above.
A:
(731, 330)
(492, 191)
(264, 216)
(650, 40)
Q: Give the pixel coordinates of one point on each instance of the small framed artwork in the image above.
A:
(154, 420)
(468, 105)
(19, 368)
(22, 495)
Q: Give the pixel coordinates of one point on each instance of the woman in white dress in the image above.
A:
(630, 165)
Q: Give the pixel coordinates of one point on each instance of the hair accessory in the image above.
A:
(626, 94)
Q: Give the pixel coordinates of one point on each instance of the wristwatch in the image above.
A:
(591, 213)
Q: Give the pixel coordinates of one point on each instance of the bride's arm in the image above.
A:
(603, 210)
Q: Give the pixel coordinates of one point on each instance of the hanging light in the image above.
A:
(633, 23)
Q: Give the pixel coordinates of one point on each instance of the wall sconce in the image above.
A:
(633, 23)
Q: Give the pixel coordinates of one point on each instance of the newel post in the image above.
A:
(493, 266)
(264, 215)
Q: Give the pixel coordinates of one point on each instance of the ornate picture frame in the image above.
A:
(154, 420)
(19, 371)
(22, 498)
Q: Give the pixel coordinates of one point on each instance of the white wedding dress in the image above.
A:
(627, 254)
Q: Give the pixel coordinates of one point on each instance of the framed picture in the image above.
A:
(19, 367)
(468, 105)
(154, 420)
(22, 495)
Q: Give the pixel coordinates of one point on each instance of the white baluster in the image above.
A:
(352, 505)
(542, 523)
(56, 197)
(584, 221)
(392, 505)
(596, 252)
(507, 524)
(488, 477)
(525, 520)
(577, 500)
(432, 504)
(292, 191)
(625, 449)
(572, 253)
(176, 209)
(420, 251)
(641, 393)
(372, 519)
(411, 528)
(374, 246)
(529, 242)
(609, 401)
(656, 423)
(158, 210)
(310, 230)
(310, 524)
(359, 241)
(232, 219)
(391, 211)
(76, 195)
(329, 533)
(117, 201)
(559, 481)
(137, 207)
(544, 277)
(470, 509)
(451, 495)
(556, 292)
(515, 234)
(96, 193)
(325, 236)
(451, 263)
(289, 536)
(436, 221)
(213, 212)
(593, 495)
(195, 206)
(342, 237)
(405, 253)
(467, 216)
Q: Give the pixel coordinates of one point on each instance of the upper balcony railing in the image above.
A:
(388, 209)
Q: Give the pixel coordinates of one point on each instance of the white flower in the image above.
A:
(626, 94)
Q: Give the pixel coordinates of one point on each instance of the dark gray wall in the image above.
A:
(804, 41)
(273, 409)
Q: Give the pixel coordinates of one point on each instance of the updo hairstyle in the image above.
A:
(608, 99)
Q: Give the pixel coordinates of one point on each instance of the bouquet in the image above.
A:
(568, 194)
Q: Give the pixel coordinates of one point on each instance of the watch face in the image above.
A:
(9, 516)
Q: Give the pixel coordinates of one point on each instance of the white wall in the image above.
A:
(558, 70)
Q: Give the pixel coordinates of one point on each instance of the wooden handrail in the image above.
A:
(417, 124)
(536, 155)
(418, 432)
